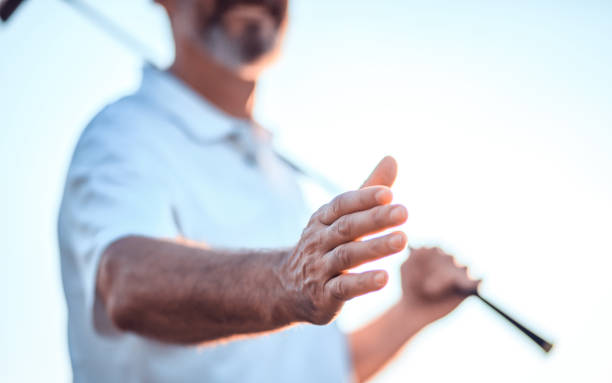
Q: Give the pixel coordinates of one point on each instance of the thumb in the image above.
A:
(384, 174)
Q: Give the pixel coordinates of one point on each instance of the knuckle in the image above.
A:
(343, 257)
(366, 196)
(315, 240)
(379, 214)
(307, 232)
(382, 214)
(310, 241)
(336, 206)
(380, 247)
(339, 290)
(343, 227)
(374, 247)
(317, 216)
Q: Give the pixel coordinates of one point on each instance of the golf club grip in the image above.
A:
(546, 346)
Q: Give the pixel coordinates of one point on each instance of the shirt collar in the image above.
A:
(199, 117)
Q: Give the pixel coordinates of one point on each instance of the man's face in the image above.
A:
(242, 35)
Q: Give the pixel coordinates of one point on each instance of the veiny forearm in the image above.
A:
(375, 345)
(182, 293)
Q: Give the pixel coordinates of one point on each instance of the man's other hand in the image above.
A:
(315, 273)
(434, 284)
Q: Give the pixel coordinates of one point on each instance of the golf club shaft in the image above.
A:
(546, 346)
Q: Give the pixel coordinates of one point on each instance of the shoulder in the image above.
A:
(131, 127)
(130, 118)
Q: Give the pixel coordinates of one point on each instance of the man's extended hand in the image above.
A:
(433, 283)
(315, 271)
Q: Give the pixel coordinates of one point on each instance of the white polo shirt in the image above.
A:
(165, 163)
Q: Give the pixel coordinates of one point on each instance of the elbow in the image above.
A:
(112, 287)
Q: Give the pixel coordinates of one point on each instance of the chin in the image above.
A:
(245, 37)
(252, 71)
(245, 55)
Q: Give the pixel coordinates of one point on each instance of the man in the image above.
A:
(171, 196)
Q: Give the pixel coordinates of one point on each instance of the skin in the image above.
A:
(182, 292)
(228, 86)
(177, 292)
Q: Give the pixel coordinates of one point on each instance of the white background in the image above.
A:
(499, 113)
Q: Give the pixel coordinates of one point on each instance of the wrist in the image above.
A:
(420, 316)
(404, 322)
(288, 295)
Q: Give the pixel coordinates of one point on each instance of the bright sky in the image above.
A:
(499, 113)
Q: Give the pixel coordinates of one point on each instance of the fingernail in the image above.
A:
(383, 196)
(380, 278)
(396, 242)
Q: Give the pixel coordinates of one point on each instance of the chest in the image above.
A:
(226, 200)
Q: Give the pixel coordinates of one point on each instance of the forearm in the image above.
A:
(376, 344)
(183, 293)
(188, 294)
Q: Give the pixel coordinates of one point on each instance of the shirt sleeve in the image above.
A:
(116, 187)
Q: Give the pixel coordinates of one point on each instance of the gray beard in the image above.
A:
(236, 53)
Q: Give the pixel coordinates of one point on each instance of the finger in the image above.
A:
(429, 252)
(348, 286)
(354, 226)
(356, 253)
(463, 282)
(439, 252)
(439, 260)
(384, 173)
(353, 201)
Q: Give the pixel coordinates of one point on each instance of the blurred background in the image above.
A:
(499, 114)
